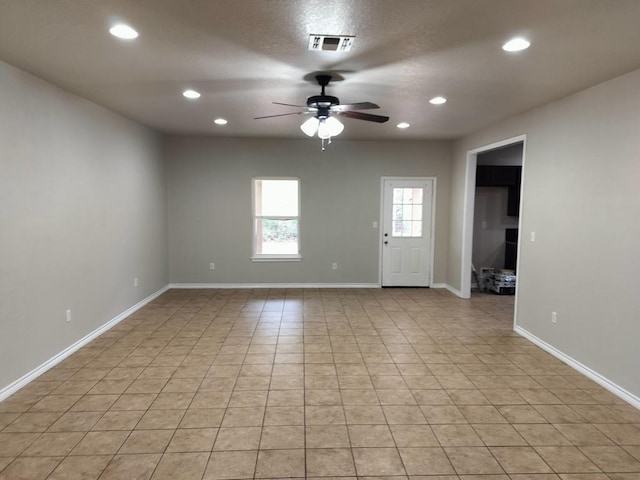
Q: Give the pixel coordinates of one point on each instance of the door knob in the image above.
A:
(386, 234)
(385, 242)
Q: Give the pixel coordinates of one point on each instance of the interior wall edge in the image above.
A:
(601, 380)
(13, 387)
(450, 288)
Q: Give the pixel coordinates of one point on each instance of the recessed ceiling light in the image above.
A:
(403, 125)
(516, 44)
(438, 100)
(191, 94)
(123, 31)
(220, 121)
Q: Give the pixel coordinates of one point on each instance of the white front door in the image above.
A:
(406, 232)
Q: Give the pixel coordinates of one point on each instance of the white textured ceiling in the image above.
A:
(244, 54)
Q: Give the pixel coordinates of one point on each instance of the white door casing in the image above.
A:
(406, 235)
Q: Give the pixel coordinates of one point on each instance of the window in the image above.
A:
(276, 219)
(407, 212)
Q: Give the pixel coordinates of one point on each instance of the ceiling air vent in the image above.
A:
(331, 43)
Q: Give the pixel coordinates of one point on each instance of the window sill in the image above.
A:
(276, 258)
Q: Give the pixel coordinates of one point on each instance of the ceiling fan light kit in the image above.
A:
(330, 127)
(310, 126)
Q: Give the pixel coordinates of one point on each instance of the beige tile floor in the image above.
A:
(234, 384)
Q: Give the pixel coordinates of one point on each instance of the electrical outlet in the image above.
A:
(485, 225)
(533, 236)
(375, 224)
(212, 266)
(68, 316)
(135, 282)
(554, 317)
(334, 266)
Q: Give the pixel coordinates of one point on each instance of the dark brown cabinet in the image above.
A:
(502, 176)
(513, 201)
(498, 176)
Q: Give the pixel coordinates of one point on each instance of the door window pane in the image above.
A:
(406, 217)
(417, 196)
(416, 212)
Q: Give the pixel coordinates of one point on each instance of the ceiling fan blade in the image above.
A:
(289, 105)
(364, 116)
(279, 115)
(355, 106)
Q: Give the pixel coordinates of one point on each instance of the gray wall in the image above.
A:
(209, 188)
(580, 196)
(510, 155)
(82, 212)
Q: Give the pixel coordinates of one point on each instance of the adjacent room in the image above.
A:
(318, 239)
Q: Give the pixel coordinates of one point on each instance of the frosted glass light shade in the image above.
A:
(310, 126)
(330, 127)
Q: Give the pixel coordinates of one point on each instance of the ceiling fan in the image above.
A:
(324, 109)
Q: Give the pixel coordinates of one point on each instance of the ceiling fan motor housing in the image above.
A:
(322, 103)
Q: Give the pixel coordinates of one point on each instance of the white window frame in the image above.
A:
(272, 257)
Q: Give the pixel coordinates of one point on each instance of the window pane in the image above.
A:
(276, 198)
(277, 236)
(417, 212)
(407, 212)
(407, 196)
(417, 196)
(397, 195)
(397, 228)
(397, 212)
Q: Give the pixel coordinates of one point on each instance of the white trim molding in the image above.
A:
(455, 291)
(53, 361)
(469, 205)
(583, 369)
(432, 240)
(448, 287)
(274, 285)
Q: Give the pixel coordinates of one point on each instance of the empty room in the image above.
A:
(319, 239)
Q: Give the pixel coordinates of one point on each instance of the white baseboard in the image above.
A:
(455, 291)
(274, 285)
(586, 371)
(53, 361)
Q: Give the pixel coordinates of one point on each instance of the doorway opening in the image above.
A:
(492, 217)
